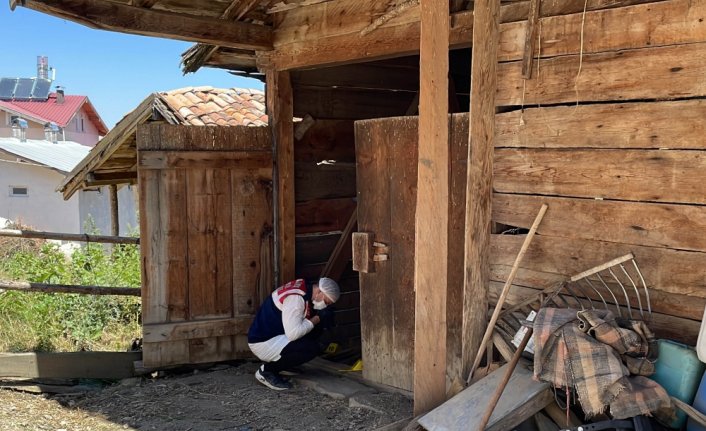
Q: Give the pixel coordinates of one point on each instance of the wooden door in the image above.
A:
(205, 228)
(386, 160)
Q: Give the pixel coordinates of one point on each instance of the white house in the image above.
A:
(31, 170)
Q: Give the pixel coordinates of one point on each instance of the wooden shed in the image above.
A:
(593, 107)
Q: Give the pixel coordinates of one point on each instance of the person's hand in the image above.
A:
(315, 320)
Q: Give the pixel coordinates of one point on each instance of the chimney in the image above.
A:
(51, 133)
(59, 95)
(19, 129)
(42, 67)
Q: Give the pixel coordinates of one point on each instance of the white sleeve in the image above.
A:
(293, 319)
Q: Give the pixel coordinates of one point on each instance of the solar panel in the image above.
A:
(24, 88)
(7, 87)
(41, 89)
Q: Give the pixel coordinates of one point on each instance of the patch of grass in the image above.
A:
(70, 322)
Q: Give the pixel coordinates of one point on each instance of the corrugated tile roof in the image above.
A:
(59, 113)
(198, 106)
(63, 156)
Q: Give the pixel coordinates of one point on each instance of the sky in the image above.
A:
(115, 70)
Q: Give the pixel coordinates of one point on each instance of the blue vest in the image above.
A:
(268, 320)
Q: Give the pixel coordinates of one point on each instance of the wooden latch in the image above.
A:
(367, 251)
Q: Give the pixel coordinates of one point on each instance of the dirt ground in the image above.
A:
(221, 398)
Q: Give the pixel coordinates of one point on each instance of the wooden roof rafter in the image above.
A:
(157, 22)
(198, 55)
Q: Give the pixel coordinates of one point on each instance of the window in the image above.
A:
(19, 191)
(11, 118)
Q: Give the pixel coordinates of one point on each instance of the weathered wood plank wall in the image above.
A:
(207, 229)
(624, 174)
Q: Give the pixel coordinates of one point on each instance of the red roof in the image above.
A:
(59, 113)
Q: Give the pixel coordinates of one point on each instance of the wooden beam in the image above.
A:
(530, 39)
(343, 252)
(67, 288)
(479, 177)
(432, 214)
(69, 365)
(163, 332)
(329, 33)
(114, 213)
(153, 159)
(280, 112)
(112, 16)
(12, 233)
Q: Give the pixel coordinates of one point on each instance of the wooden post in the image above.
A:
(280, 114)
(114, 216)
(432, 216)
(480, 175)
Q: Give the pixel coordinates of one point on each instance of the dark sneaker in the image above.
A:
(272, 380)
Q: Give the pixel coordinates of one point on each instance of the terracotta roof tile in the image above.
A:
(218, 106)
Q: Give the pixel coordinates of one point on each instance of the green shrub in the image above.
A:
(70, 322)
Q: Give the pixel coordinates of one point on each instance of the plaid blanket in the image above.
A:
(585, 350)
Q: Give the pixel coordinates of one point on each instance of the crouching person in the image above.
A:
(282, 334)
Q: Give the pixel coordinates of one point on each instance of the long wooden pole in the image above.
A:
(503, 383)
(13, 233)
(479, 188)
(68, 288)
(506, 289)
(432, 213)
(114, 212)
(278, 90)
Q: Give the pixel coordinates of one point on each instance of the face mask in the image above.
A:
(319, 305)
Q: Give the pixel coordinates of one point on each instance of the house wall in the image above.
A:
(94, 204)
(43, 208)
(73, 132)
(82, 130)
(34, 129)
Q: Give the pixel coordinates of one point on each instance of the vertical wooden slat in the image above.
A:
(114, 213)
(376, 300)
(251, 221)
(154, 296)
(530, 39)
(172, 189)
(280, 112)
(223, 252)
(480, 172)
(402, 173)
(431, 251)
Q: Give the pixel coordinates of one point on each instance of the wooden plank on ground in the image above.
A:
(675, 125)
(673, 176)
(432, 214)
(484, 81)
(461, 412)
(638, 223)
(280, 112)
(649, 73)
(667, 270)
(69, 365)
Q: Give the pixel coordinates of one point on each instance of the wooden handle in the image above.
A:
(508, 374)
(506, 290)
